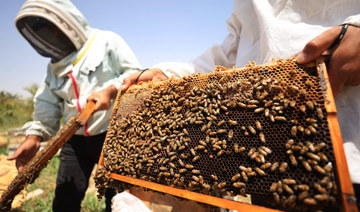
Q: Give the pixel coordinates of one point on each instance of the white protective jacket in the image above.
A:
(260, 30)
(106, 61)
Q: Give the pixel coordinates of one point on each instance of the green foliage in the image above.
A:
(90, 203)
(14, 111)
(47, 182)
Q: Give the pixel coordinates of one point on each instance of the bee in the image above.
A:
(236, 148)
(320, 170)
(293, 160)
(263, 152)
(243, 168)
(303, 150)
(319, 112)
(294, 131)
(280, 118)
(181, 148)
(258, 125)
(303, 93)
(163, 168)
(303, 108)
(289, 181)
(322, 156)
(312, 129)
(274, 166)
(195, 178)
(303, 195)
(239, 185)
(283, 167)
(195, 158)
(288, 189)
(193, 152)
(232, 123)
(202, 142)
(276, 198)
(203, 128)
(224, 108)
(272, 118)
(222, 185)
(289, 143)
(267, 112)
(217, 147)
(296, 147)
(273, 187)
(306, 165)
(301, 129)
(198, 122)
(235, 177)
(214, 177)
(321, 197)
(231, 104)
(292, 103)
(310, 105)
(310, 146)
(302, 187)
(262, 137)
(265, 166)
(242, 105)
(221, 131)
(188, 166)
(195, 171)
(310, 201)
(260, 171)
(313, 156)
(230, 135)
(166, 174)
(258, 110)
(252, 130)
(320, 146)
(308, 83)
(244, 176)
(172, 165)
(220, 123)
(221, 152)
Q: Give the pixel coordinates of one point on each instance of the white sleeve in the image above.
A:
(354, 20)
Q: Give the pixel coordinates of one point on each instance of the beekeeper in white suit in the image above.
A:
(262, 30)
(86, 65)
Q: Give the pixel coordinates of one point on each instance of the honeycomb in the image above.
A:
(259, 130)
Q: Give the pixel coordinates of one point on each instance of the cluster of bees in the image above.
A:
(33, 168)
(261, 130)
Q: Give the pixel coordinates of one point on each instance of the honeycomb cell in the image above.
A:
(180, 113)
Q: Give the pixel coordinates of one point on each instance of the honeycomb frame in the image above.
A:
(260, 115)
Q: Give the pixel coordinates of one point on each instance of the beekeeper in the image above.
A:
(85, 64)
(262, 30)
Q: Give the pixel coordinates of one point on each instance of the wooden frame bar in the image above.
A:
(346, 187)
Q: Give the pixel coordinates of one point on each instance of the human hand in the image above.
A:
(26, 151)
(344, 63)
(153, 74)
(102, 98)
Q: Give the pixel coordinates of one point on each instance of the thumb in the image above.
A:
(314, 48)
(128, 81)
(14, 156)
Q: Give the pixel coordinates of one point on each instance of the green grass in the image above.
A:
(46, 182)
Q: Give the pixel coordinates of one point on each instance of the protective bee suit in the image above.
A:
(100, 58)
(262, 30)
(83, 61)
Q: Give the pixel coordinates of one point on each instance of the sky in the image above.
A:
(156, 31)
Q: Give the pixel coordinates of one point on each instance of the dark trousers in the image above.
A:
(77, 160)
